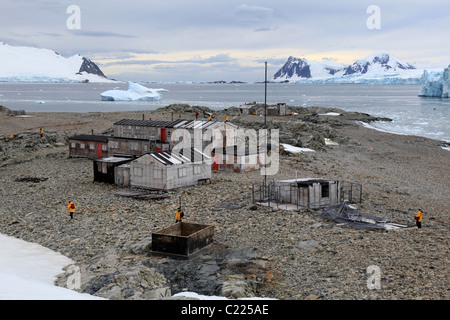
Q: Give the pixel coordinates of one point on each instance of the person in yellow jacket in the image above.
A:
(71, 207)
(226, 118)
(41, 132)
(418, 218)
(179, 216)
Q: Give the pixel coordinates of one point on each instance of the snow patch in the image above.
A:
(194, 295)
(329, 114)
(292, 149)
(28, 272)
(329, 142)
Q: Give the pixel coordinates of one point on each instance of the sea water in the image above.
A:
(410, 114)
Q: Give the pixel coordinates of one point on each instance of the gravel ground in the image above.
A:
(305, 257)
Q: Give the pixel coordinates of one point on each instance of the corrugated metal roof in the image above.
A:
(180, 123)
(114, 159)
(148, 123)
(126, 139)
(170, 158)
(88, 137)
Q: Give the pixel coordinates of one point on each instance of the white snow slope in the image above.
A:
(28, 272)
(28, 64)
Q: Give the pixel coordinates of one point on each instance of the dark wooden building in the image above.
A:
(129, 147)
(88, 146)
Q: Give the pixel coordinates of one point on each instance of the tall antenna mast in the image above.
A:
(265, 124)
(265, 96)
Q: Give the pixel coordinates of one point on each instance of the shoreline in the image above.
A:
(446, 142)
(85, 122)
(304, 256)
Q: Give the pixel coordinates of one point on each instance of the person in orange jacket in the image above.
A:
(418, 218)
(179, 216)
(71, 207)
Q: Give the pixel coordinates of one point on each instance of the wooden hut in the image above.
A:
(167, 170)
(129, 147)
(160, 132)
(143, 129)
(235, 159)
(308, 192)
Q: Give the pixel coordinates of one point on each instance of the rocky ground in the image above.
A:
(257, 251)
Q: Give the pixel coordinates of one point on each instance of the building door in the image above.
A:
(126, 178)
(163, 134)
(99, 150)
(302, 195)
(216, 163)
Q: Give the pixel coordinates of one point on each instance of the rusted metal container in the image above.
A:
(182, 239)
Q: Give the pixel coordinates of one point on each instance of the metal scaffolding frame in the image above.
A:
(271, 194)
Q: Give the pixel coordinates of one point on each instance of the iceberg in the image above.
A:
(435, 84)
(135, 92)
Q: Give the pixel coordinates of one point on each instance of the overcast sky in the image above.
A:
(207, 40)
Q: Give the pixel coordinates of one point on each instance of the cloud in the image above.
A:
(251, 14)
(216, 59)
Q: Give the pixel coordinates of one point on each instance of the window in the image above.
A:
(82, 145)
(114, 144)
(92, 146)
(182, 172)
(197, 169)
(138, 171)
(157, 173)
(134, 146)
(325, 190)
(104, 147)
(73, 144)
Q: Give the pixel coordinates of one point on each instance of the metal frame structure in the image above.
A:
(271, 194)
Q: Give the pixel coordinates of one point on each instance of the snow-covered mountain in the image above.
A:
(28, 64)
(377, 64)
(376, 68)
(296, 69)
